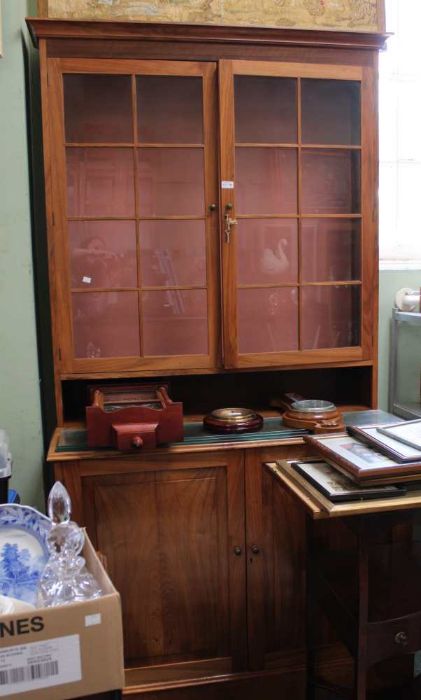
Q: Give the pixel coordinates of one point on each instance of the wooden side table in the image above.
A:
(367, 583)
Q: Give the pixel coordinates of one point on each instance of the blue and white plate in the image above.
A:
(23, 550)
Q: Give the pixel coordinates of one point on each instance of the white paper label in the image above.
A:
(40, 665)
(87, 280)
(227, 185)
(91, 620)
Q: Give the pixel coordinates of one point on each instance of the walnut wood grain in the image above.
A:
(169, 534)
(117, 30)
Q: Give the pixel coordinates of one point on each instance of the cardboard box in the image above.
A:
(64, 652)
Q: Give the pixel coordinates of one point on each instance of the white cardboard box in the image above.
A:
(64, 652)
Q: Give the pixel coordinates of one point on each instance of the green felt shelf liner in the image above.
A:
(75, 440)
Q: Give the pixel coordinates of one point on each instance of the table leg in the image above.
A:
(310, 612)
(360, 668)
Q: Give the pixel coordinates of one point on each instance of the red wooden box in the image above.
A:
(129, 417)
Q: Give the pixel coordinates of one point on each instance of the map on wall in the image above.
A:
(351, 15)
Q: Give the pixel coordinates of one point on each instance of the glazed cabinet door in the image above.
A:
(299, 207)
(131, 169)
(172, 532)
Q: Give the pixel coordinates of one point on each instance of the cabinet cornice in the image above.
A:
(212, 34)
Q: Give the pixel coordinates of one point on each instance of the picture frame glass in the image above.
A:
(407, 433)
(354, 451)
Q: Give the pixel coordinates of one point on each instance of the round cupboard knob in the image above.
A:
(137, 441)
(237, 551)
(255, 549)
(401, 638)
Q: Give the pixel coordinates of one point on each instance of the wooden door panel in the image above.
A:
(165, 539)
(275, 574)
(168, 535)
(284, 568)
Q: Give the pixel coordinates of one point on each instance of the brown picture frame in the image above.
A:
(361, 462)
(394, 429)
(339, 487)
(372, 435)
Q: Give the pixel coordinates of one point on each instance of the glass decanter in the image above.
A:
(65, 578)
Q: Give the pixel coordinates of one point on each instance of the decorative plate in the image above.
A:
(23, 550)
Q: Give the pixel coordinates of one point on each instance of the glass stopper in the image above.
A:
(59, 504)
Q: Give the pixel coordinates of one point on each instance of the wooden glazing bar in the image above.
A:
(332, 283)
(268, 285)
(169, 145)
(136, 200)
(267, 216)
(265, 145)
(299, 246)
(331, 146)
(331, 216)
(181, 217)
(130, 144)
(93, 290)
(314, 146)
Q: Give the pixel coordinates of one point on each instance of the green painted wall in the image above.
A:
(19, 380)
(19, 376)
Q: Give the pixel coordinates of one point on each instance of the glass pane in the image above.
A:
(103, 253)
(266, 180)
(171, 181)
(98, 108)
(106, 324)
(173, 253)
(331, 250)
(175, 322)
(267, 320)
(265, 110)
(267, 251)
(331, 112)
(331, 182)
(330, 317)
(100, 182)
(170, 109)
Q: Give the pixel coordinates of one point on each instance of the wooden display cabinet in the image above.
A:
(211, 199)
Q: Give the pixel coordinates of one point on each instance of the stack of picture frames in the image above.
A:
(366, 462)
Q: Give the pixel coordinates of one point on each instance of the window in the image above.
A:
(400, 139)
